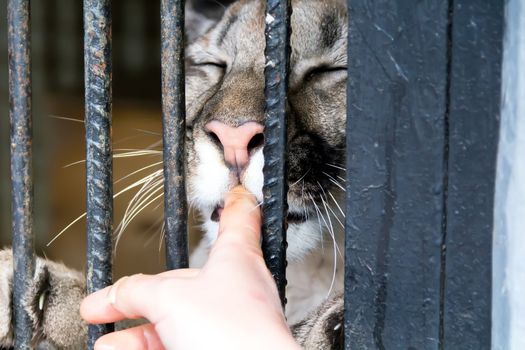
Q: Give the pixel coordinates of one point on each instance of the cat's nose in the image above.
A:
(237, 142)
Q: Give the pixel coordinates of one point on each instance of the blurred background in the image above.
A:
(58, 113)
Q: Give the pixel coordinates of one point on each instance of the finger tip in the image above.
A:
(239, 189)
(92, 304)
(86, 307)
(239, 194)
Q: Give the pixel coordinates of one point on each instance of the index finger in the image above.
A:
(130, 297)
(241, 218)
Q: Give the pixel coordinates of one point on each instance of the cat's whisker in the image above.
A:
(220, 4)
(337, 204)
(74, 163)
(66, 118)
(136, 153)
(147, 186)
(124, 139)
(336, 246)
(126, 154)
(335, 182)
(140, 182)
(305, 207)
(301, 178)
(336, 249)
(335, 216)
(143, 194)
(162, 236)
(319, 215)
(151, 184)
(255, 207)
(150, 229)
(153, 133)
(137, 171)
(327, 206)
(133, 185)
(158, 206)
(330, 227)
(65, 229)
(145, 205)
(336, 166)
(327, 224)
(147, 149)
(333, 178)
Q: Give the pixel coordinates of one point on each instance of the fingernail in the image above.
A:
(103, 346)
(112, 294)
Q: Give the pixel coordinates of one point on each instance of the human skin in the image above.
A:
(231, 303)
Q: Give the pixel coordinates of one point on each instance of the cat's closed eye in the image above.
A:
(211, 64)
(324, 71)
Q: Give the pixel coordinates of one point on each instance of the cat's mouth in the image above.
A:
(216, 214)
(292, 218)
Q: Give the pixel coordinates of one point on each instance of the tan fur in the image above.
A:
(323, 328)
(63, 291)
(6, 280)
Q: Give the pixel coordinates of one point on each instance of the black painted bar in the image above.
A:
(99, 165)
(277, 54)
(395, 173)
(174, 125)
(19, 43)
(475, 85)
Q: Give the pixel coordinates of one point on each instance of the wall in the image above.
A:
(508, 314)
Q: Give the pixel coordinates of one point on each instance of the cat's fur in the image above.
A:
(316, 131)
(225, 82)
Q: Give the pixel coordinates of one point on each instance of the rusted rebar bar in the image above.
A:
(99, 165)
(277, 54)
(19, 43)
(174, 125)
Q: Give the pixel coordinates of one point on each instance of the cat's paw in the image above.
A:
(53, 303)
(322, 328)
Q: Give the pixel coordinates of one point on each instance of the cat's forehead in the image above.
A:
(318, 28)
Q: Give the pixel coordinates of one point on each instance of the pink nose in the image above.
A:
(237, 143)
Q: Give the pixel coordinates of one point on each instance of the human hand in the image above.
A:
(231, 303)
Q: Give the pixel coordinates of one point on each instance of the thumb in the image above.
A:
(241, 219)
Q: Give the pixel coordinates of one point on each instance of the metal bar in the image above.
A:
(397, 93)
(275, 189)
(19, 43)
(174, 125)
(474, 113)
(97, 70)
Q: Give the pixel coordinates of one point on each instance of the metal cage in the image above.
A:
(422, 131)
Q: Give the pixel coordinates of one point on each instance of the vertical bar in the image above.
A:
(347, 321)
(19, 43)
(277, 54)
(395, 173)
(99, 165)
(475, 95)
(174, 125)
